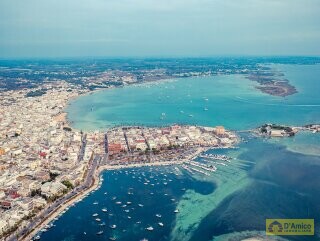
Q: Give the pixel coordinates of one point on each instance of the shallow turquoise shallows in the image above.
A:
(231, 101)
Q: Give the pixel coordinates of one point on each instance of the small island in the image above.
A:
(275, 130)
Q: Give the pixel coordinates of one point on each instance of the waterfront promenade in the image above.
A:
(90, 184)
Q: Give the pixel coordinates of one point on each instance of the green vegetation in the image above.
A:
(35, 192)
(67, 128)
(67, 183)
(36, 93)
(53, 176)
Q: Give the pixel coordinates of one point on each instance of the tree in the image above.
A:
(67, 183)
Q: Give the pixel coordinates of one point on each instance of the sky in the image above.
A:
(158, 28)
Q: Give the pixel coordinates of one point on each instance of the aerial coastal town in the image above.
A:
(44, 163)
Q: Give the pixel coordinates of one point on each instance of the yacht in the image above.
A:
(113, 226)
(104, 210)
(205, 109)
(95, 215)
(158, 215)
(118, 203)
(140, 205)
(190, 115)
(176, 211)
(95, 203)
(113, 238)
(100, 232)
(37, 237)
(150, 228)
(161, 224)
(98, 219)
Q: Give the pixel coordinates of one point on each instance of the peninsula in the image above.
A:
(272, 82)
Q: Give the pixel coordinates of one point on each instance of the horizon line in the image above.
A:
(154, 57)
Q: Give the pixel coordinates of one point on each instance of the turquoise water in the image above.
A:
(268, 178)
(232, 101)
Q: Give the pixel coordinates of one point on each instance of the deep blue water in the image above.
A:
(128, 185)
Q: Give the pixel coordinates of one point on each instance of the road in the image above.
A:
(94, 163)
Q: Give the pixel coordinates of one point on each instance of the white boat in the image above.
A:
(205, 109)
(118, 203)
(95, 203)
(161, 224)
(150, 228)
(104, 210)
(158, 215)
(140, 205)
(190, 115)
(98, 219)
(176, 211)
(37, 237)
(95, 215)
(113, 238)
(100, 232)
(113, 226)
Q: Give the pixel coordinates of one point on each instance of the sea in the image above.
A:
(266, 178)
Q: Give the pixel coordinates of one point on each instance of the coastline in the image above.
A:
(95, 185)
